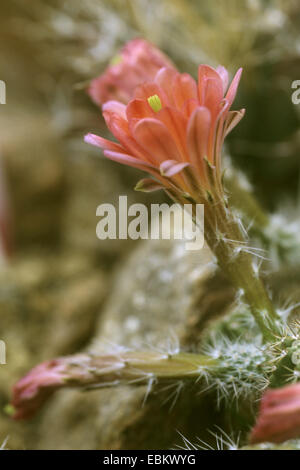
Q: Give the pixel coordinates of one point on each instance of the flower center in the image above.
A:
(155, 103)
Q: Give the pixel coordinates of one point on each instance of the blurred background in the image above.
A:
(56, 287)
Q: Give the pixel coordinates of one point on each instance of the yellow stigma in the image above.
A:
(117, 59)
(155, 103)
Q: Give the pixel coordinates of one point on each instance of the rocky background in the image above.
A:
(62, 290)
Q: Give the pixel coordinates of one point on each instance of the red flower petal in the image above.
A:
(120, 129)
(115, 107)
(224, 76)
(197, 138)
(189, 107)
(233, 87)
(154, 137)
(164, 79)
(176, 124)
(171, 168)
(184, 88)
(138, 109)
(102, 143)
(129, 160)
(213, 96)
(205, 72)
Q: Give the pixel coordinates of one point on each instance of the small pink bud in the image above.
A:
(279, 415)
(36, 387)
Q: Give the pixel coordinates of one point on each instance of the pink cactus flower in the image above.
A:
(138, 62)
(36, 387)
(173, 123)
(279, 415)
